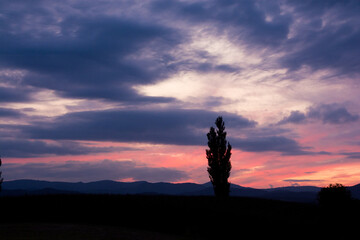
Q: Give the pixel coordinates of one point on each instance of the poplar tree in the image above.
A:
(218, 156)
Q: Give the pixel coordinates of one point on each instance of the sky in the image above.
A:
(127, 90)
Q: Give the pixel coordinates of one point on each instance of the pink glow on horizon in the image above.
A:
(326, 162)
(259, 170)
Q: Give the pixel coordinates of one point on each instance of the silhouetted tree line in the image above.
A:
(218, 156)
(334, 195)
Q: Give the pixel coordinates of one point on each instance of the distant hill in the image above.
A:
(34, 187)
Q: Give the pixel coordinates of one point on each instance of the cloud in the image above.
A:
(15, 94)
(90, 171)
(240, 20)
(332, 113)
(80, 54)
(281, 144)
(181, 127)
(18, 148)
(275, 143)
(85, 56)
(90, 52)
(210, 67)
(327, 113)
(86, 51)
(301, 180)
(294, 117)
(326, 36)
(176, 126)
(8, 112)
(351, 155)
(295, 182)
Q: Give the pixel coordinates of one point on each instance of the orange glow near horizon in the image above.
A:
(258, 170)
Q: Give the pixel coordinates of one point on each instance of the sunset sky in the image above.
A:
(127, 90)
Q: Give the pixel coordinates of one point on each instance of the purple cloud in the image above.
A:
(91, 171)
(327, 113)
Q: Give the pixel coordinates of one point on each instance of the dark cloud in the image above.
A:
(327, 113)
(271, 139)
(17, 148)
(351, 155)
(178, 127)
(209, 67)
(294, 117)
(182, 127)
(324, 34)
(327, 38)
(82, 51)
(240, 20)
(85, 56)
(92, 56)
(8, 112)
(91, 171)
(332, 113)
(281, 144)
(14, 94)
(301, 180)
(295, 182)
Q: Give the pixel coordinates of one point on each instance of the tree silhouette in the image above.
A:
(219, 159)
(1, 179)
(335, 195)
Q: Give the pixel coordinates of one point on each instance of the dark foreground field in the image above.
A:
(168, 217)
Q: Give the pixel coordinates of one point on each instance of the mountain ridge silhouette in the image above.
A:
(40, 187)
